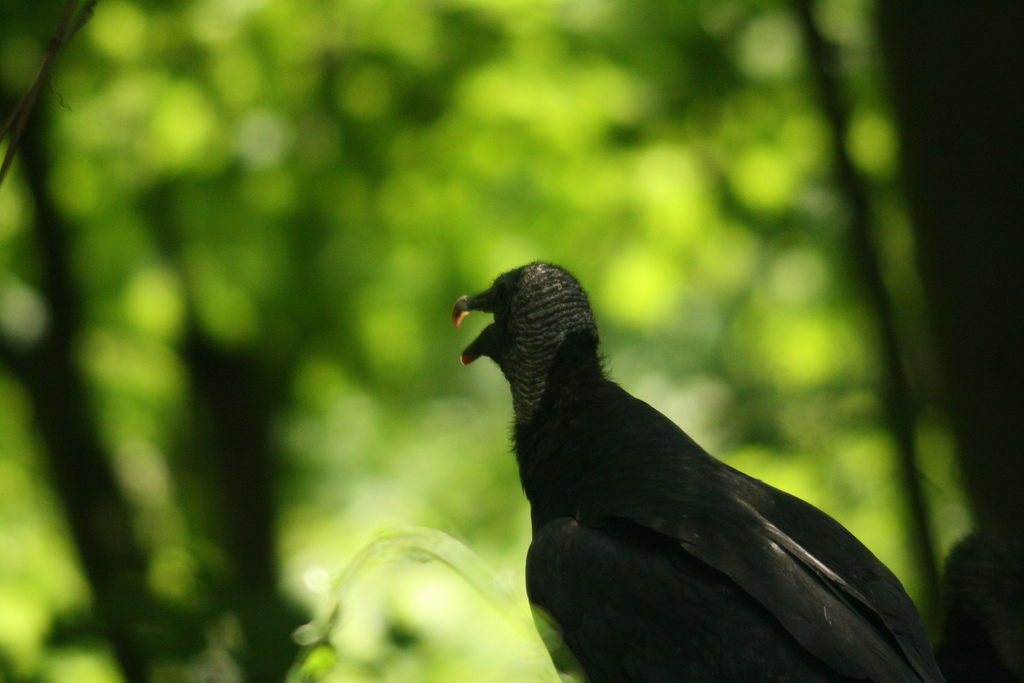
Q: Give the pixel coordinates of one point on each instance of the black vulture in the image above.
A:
(657, 562)
(983, 635)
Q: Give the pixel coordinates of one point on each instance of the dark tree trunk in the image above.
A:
(99, 517)
(957, 76)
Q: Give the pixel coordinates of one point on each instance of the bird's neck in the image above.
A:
(571, 381)
(560, 368)
(526, 396)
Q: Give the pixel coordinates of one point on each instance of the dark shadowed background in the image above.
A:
(232, 237)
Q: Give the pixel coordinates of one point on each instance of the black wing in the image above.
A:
(817, 579)
(634, 606)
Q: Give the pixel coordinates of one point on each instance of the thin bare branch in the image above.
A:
(83, 16)
(15, 124)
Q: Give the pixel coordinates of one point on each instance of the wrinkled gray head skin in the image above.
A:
(536, 307)
(985, 579)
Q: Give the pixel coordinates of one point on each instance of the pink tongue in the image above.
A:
(457, 316)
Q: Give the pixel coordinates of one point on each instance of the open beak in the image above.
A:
(486, 343)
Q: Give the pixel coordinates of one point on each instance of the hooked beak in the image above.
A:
(460, 311)
(486, 343)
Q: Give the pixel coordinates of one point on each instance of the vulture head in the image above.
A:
(536, 308)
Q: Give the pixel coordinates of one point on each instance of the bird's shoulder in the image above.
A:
(597, 448)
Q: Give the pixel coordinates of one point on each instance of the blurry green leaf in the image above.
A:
(14, 213)
(73, 665)
(23, 623)
(770, 46)
(673, 194)
(184, 127)
(798, 277)
(76, 186)
(119, 29)
(226, 310)
(801, 350)
(871, 141)
(765, 178)
(640, 288)
(24, 315)
(392, 340)
(368, 94)
(154, 305)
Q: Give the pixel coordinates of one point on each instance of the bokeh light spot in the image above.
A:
(640, 288)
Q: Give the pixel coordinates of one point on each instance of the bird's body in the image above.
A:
(633, 606)
(657, 561)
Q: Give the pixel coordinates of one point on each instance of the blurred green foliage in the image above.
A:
(314, 183)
